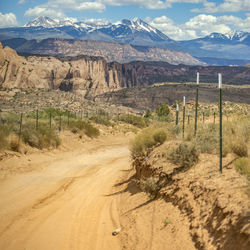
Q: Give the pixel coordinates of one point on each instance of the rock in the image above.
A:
(116, 231)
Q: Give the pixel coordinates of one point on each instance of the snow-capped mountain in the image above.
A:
(232, 45)
(232, 36)
(42, 21)
(135, 31)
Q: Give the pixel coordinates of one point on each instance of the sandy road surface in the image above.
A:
(63, 201)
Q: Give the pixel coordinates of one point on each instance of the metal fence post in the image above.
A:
(177, 114)
(183, 120)
(196, 102)
(220, 107)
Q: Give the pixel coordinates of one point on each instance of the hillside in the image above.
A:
(119, 52)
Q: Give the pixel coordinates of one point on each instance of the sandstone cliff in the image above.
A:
(88, 75)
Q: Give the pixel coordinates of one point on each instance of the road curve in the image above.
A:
(64, 202)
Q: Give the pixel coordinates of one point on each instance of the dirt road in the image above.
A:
(61, 200)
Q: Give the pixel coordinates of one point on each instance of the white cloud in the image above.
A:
(22, 1)
(226, 6)
(56, 8)
(148, 4)
(100, 21)
(7, 20)
(200, 26)
(43, 11)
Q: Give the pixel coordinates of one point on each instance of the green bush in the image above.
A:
(242, 165)
(160, 136)
(185, 155)
(148, 114)
(163, 110)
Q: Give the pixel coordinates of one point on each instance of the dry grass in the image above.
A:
(135, 120)
(242, 165)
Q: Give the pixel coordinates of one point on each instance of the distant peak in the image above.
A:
(136, 19)
(43, 21)
(235, 34)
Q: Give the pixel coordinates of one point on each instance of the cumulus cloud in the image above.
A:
(149, 4)
(226, 6)
(199, 26)
(43, 11)
(56, 8)
(99, 21)
(8, 20)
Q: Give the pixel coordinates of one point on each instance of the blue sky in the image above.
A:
(179, 19)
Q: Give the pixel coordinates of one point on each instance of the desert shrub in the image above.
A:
(160, 136)
(146, 140)
(4, 133)
(174, 130)
(185, 155)
(41, 138)
(91, 131)
(239, 148)
(74, 130)
(135, 120)
(148, 114)
(242, 165)
(100, 119)
(14, 143)
(85, 126)
(150, 186)
(207, 139)
(141, 144)
(102, 112)
(163, 110)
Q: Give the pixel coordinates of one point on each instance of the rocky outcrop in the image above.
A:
(87, 75)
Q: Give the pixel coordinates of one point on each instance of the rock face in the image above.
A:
(88, 75)
(118, 52)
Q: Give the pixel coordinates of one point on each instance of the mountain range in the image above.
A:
(230, 46)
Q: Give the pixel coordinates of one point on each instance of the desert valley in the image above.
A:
(116, 136)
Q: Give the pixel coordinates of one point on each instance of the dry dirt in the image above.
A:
(75, 196)
(215, 205)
